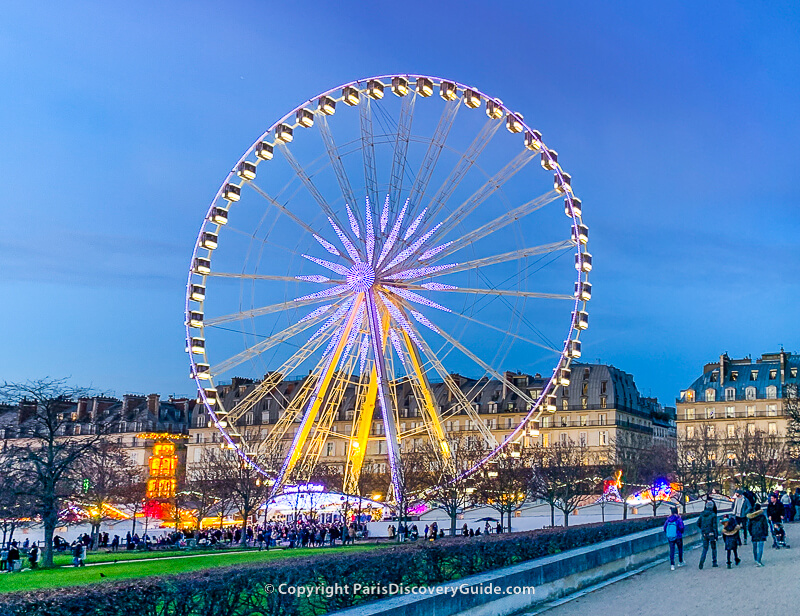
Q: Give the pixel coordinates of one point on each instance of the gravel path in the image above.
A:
(744, 590)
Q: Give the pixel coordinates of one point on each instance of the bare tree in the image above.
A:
(791, 406)
(47, 452)
(504, 484)
(16, 507)
(201, 486)
(656, 470)
(245, 485)
(761, 459)
(105, 473)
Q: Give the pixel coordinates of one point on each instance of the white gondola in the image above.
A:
(583, 290)
(533, 140)
(201, 266)
(574, 349)
(219, 216)
(399, 86)
(284, 133)
(424, 86)
(231, 192)
(375, 89)
(549, 159)
(583, 262)
(494, 109)
(209, 240)
(580, 234)
(581, 319)
(564, 375)
(351, 96)
(576, 207)
(198, 345)
(326, 105)
(196, 319)
(246, 170)
(472, 99)
(264, 150)
(562, 183)
(514, 123)
(201, 371)
(197, 293)
(305, 118)
(448, 91)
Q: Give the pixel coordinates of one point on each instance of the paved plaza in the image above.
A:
(743, 590)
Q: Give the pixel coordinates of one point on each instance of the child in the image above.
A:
(730, 533)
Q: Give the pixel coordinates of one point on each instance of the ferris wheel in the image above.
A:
(386, 235)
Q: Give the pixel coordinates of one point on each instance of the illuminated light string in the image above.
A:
(438, 286)
(353, 223)
(370, 235)
(416, 298)
(334, 267)
(327, 246)
(315, 313)
(397, 346)
(385, 214)
(415, 224)
(313, 278)
(433, 251)
(387, 247)
(348, 245)
(413, 248)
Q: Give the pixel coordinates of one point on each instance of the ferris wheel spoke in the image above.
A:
(487, 190)
(267, 344)
(432, 155)
(283, 209)
(463, 165)
(368, 150)
(401, 147)
(453, 387)
(269, 277)
(336, 160)
(311, 187)
(508, 292)
(257, 312)
(491, 227)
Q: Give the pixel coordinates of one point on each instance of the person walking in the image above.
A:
(708, 529)
(674, 528)
(758, 527)
(788, 509)
(33, 556)
(741, 507)
(730, 534)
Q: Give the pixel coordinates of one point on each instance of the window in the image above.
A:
(586, 372)
(493, 407)
(565, 392)
(751, 410)
(562, 438)
(750, 393)
(714, 376)
(772, 410)
(348, 414)
(565, 404)
(583, 439)
(584, 420)
(584, 402)
(509, 422)
(601, 419)
(689, 431)
(603, 436)
(546, 421)
(730, 393)
(772, 428)
(711, 395)
(248, 419)
(710, 412)
(604, 387)
(330, 449)
(689, 413)
(734, 376)
(751, 429)
(603, 402)
(564, 420)
(689, 395)
(731, 430)
(730, 459)
(793, 372)
(730, 411)
(754, 375)
(711, 432)
(585, 388)
(546, 439)
(772, 391)
(773, 374)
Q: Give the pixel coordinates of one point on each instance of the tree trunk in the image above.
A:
(566, 519)
(508, 529)
(243, 541)
(624, 509)
(453, 518)
(552, 515)
(49, 520)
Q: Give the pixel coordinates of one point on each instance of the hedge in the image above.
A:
(242, 590)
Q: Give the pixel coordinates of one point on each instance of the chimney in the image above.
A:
(83, 407)
(26, 411)
(783, 366)
(127, 402)
(154, 404)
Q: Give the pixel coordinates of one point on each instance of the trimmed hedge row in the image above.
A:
(246, 590)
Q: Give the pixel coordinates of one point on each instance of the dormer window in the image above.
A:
(734, 376)
(711, 395)
(689, 396)
(750, 393)
(773, 374)
(754, 375)
(730, 393)
(714, 376)
(772, 391)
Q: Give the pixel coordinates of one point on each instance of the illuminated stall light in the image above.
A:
(201, 371)
(583, 262)
(264, 150)
(209, 240)
(424, 86)
(196, 319)
(562, 183)
(514, 123)
(472, 99)
(399, 86)
(583, 290)
(246, 170)
(201, 266)
(305, 118)
(574, 349)
(375, 89)
(494, 109)
(219, 216)
(231, 192)
(581, 234)
(448, 91)
(533, 140)
(576, 207)
(549, 159)
(197, 345)
(581, 319)
(326, 105)
(351, 96)
(197, 292)
(284, 133)
(564, 375)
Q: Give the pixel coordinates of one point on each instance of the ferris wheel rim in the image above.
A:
(573, 331)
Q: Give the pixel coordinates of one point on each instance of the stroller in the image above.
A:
(779, 536)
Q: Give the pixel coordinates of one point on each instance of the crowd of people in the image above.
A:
(747, 517)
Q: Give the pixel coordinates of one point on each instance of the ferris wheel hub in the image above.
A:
(361, 277)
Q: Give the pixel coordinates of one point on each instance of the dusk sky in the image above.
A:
(679, 122)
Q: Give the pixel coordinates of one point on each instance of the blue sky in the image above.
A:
(679, 124)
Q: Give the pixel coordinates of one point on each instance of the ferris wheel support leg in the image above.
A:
(316, 402)
(392, 444)
(358, 441)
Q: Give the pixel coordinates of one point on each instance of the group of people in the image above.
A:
(747, 517)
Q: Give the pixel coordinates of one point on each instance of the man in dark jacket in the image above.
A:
(775, 515)
(759, 529)
(708, 529)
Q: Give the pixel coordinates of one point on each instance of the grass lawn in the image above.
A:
(65, 559)
(150, 565)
